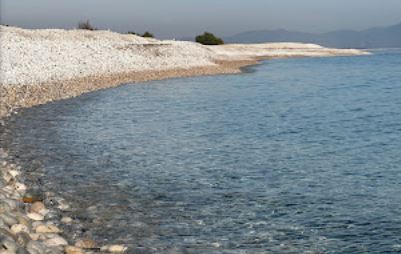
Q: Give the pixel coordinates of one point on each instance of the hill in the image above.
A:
(381, 37)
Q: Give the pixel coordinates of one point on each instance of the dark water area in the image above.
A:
(296, 156)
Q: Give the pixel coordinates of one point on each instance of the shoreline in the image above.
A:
(25, 217)
(30, 213)
(22, 96)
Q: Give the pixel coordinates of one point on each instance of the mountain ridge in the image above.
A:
(377, 37)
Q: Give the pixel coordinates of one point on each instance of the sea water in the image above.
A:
(292, 156)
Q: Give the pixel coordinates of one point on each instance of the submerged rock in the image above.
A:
(47, 229)
(33, 196)
(86, 244)
(73, 250)
(115, 248)
(56, 241)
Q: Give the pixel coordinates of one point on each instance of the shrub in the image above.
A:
(208, 39)
(85, 25)
(133, 33)
(147, 35)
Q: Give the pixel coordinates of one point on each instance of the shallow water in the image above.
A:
(297, 156)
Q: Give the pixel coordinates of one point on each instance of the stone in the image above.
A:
(66, 220)
(73, 250)
(24, 220)
(11, 203)
(115, 248)
(23, 238)
(4, 207)
(22, 251)
(17, 228)
(86, 244)
(35, 216)
(8, 219)
(8, 245)
(39, 207)
(33, 196)
(20, 187)
(35, 247)
(4, 233)
(56, 241)
(51, 215)
(47, 229)
(14, 173)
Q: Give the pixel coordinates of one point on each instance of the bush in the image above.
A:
(85, 25)
(148, 35)
(208, 39)
(133, 33)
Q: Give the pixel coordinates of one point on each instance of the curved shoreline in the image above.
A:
(28, 215)
(22, 96)
(26, 224)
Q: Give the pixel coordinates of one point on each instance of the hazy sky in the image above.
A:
(180, 18)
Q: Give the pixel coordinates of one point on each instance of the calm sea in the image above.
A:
(294, 156)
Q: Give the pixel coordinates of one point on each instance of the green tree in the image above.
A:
(208, 39)
(86, 25)
(148, 35)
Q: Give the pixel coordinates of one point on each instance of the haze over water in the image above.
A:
(296, 155)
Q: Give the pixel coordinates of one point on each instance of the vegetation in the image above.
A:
(148, 35)
(208, 39)
(85, 25)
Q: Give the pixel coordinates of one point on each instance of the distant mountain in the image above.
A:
(382, 37)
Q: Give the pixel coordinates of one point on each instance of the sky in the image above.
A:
(184, 18)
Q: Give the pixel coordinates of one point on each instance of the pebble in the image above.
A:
(17, 228)
(23, 238)
(35, 247)
(35, 216)
(33, 196)
(56, 241)
(86, 244)
(73, 250)
(66, 220)
(8, 245)
(8, 219)
(47, 229)
(39, 208)
(115, 248)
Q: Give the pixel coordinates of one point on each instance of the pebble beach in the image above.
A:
(40, 66)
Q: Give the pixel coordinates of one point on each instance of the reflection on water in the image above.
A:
(301, 155)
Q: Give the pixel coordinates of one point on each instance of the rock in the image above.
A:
(47, 229)
(56, 241)
(52, 215)
(22, 251)
(14, 173)
(23, 238)
(115, 248)
(33, 196)
(4, 207)
(73, 250)
(24, 220)
(8, 219)
(11, 203)
(8, 245)
(86, 244)
(34, 247)
(39, 207)
(20, 187)
(17, 228)
(35, 216)
(66, 220)
(4, 233)
(34, 236)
